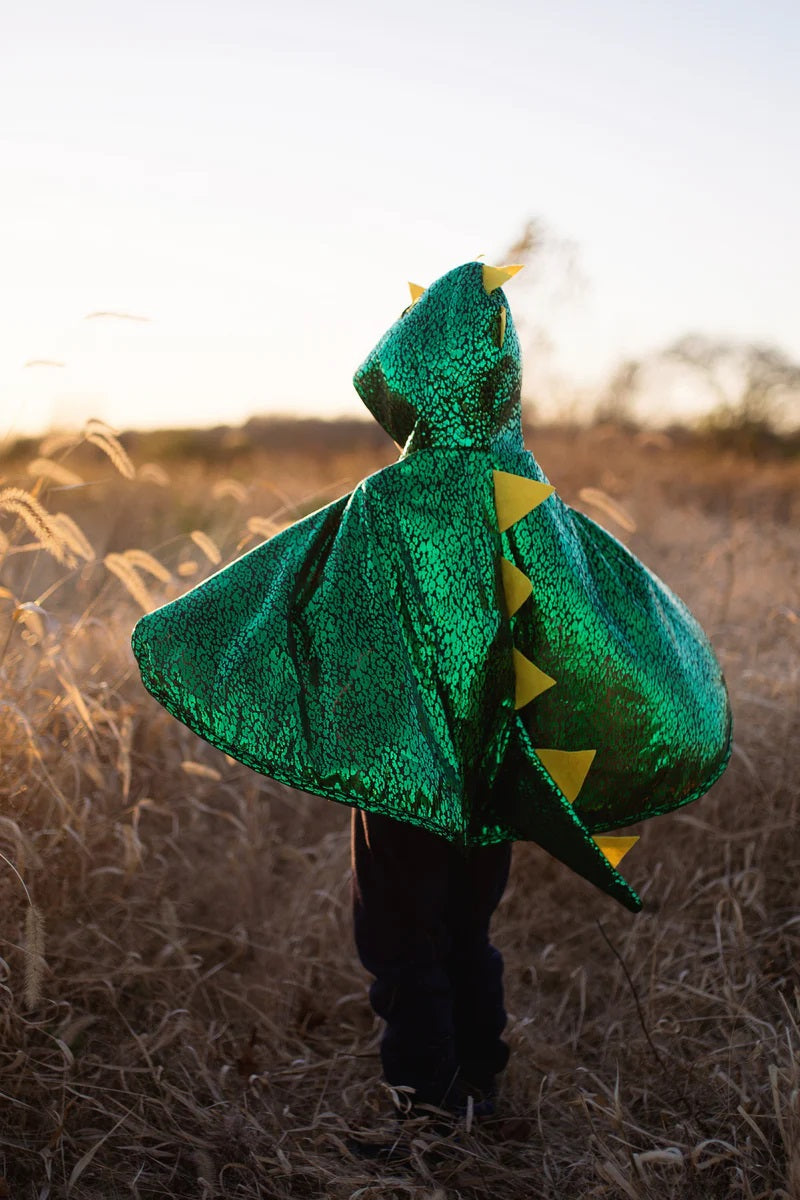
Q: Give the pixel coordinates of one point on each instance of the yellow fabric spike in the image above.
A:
(416, 291)
(516, 585)
(501, 332)
(615, 848)
(530, 681)
(495, 277)
(515, 496)
(567, 768)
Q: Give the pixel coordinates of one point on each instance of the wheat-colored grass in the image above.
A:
(196, 1023)
(46, 468)
(32, 514)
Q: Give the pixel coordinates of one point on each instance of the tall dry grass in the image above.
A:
(181, 1009)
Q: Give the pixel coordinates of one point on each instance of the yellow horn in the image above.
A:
(416, 292)
(495, 277)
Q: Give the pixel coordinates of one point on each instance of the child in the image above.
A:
(466, 660)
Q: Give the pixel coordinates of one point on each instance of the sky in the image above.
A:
(260, 180)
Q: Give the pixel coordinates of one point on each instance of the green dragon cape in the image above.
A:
(450, 644)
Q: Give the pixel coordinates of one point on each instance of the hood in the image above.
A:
(448, 372)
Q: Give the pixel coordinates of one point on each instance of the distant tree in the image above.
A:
(756, 387)
(553, 259)
(616, 402)
(745, 393)
(552, 279)
(528, 243)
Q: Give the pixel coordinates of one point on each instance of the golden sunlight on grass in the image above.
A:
(181, 1008)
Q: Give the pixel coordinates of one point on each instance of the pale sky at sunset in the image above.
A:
(261, 179)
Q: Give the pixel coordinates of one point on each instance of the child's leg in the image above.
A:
(421, 914)
(401, 877)
(475, 967)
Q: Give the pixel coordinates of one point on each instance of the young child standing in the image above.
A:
(464, 659)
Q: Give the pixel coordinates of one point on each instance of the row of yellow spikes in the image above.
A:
(515, 497)
(493, 278)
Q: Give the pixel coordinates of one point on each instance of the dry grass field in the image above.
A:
(182, 1013)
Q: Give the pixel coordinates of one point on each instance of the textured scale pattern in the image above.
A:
(450, 644)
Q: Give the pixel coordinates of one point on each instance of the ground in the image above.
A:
(181, 1007)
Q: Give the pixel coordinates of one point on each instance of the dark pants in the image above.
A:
(421, 911)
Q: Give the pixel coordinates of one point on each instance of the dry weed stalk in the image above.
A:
(147, 562)
(207, 545)
(97, 433)
(73, 536)
(45, 468)
(262, 527)
(34, 956)
(129, 577)
(153, 473)
(33, 943)
(229, 488)
(37, 519)
(597, 498)
(59, 443)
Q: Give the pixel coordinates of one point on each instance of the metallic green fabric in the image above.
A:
(366, 653)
